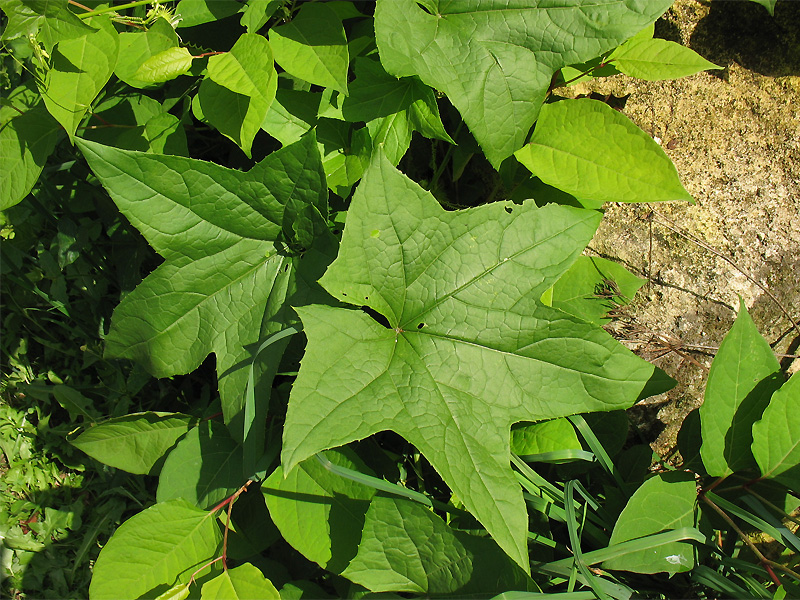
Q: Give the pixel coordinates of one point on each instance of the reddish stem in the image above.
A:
(204, 54)
(79, 5)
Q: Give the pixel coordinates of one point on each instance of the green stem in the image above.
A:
(109, 9)
(442, 165)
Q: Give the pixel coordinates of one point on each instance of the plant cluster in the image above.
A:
(411, 390)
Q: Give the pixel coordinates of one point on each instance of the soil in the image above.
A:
(734, 136)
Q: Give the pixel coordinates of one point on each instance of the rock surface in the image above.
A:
(734, 136)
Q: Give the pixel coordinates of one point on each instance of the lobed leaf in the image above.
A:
(587, 149)
(468, 350)
(217, 229)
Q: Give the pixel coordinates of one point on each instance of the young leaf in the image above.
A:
(657, 59)
(742, 378)
(221, 261)
(134, 443)
(313, 46)
(495, 61)
(453, 286)
(79, 69)
(407, 548)
(26, 142)
(165, 65)
(666, 501)
(242, 583)
(153, 549)
(137, 48)
(320, 513)
(587, 149)
(239, 88)
(776, 437)
(204, 468)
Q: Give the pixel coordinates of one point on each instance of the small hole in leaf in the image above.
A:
(421, 325)
(366, 297)
(343, 294)
(509, 210)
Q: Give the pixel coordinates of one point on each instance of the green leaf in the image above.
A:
(407, 548)
(219, 243)
(393, 108)
(291, 115)
(204, 468)
(666, 501)
(587, 149)
(593, 287)
(79, 69)
(776, 437)
(165, 65)
(135, 443)
(198, 12)
(179, 591)
(239, 88)
(768, 4)
(145, 126)
(657, 59)
(458, 290)
(155, 550)
(25, 144)
(257, 13)
(743, 376)
(313, 46)
(22, 20)
(495, 61)
(244, 582)
(320, 513)
(137, 48)
(546, 436)
(54, 21)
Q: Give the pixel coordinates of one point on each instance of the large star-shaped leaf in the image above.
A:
(468, 350)
(225, 270)
(495, 58)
